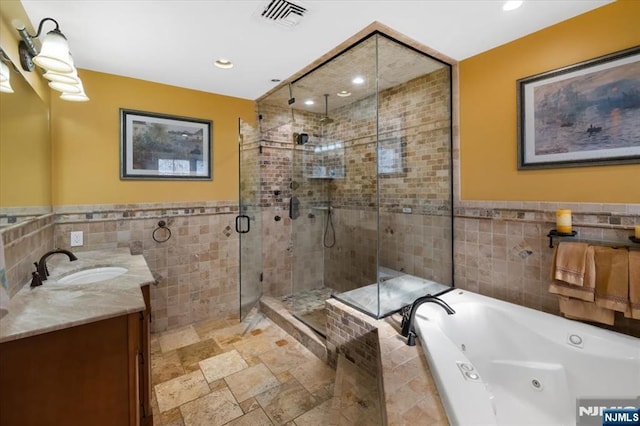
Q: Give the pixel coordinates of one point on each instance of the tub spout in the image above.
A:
(408, 316)
(42, 264)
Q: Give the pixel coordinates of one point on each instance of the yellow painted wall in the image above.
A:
(25, 165)
(86, 142)
(488, 118)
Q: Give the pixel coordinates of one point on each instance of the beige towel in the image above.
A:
(569, 263)
(612, 278)
(585, 292)
(581, 310)
(634, 285)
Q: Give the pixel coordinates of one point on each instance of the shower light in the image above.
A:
(358, 80)
(511, 5)
(223, 63)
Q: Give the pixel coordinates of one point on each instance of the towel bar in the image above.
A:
(632, 243)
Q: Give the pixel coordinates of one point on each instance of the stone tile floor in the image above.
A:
(252, 373)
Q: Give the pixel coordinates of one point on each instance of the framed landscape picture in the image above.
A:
(160, 146)
(582, 115)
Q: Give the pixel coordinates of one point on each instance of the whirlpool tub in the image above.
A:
(496, 363)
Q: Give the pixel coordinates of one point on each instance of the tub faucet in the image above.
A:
(42, 263)
(409, 315)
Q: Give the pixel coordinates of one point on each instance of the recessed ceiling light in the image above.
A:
(358, 80)
(309, 102)
(511, 5)
(343, 93)
(223, 63)
(275, 80)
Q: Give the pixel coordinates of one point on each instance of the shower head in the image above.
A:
(326, 119)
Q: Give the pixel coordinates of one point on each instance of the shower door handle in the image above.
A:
(239, 219)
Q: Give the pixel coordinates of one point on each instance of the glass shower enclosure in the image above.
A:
(371, 179)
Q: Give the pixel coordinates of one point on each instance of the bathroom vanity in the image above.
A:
(78, 354)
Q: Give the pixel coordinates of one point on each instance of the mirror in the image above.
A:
(25, 153)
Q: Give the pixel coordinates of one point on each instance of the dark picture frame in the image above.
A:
(164, 147)
(585, 114)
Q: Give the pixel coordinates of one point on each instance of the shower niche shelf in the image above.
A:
(324, 160)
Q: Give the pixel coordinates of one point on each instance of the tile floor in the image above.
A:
(253, 373)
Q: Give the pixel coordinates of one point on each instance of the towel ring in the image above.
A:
(161, 225)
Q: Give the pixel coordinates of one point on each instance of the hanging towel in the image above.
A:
(581, 310)
(4, 283)
(585, 292)
(612, 278)
(634, 285)
(570, 259)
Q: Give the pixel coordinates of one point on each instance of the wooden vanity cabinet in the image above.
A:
(146, 415)
(91, 374)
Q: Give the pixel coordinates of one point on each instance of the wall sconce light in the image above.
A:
(54, 57)
(5, 73)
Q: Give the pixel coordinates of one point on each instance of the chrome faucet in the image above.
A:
(409, 315)
(43, 272)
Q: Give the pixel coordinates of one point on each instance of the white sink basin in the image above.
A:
(93, 275)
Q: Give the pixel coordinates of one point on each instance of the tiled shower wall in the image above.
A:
(414, 122)
(196, 269)
(501, 248)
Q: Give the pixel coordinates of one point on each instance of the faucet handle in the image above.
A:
(35, 280)
(46, 269)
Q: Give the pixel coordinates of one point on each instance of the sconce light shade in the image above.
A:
(54, 55)
(68, 78)
(4, 72)
(5, 77)
(75, 97)
(64, 77)
(65, 87)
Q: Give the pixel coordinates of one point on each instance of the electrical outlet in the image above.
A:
(76, 238)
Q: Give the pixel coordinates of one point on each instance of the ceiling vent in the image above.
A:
(283, 12)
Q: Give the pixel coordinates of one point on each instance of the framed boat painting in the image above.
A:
(166, 147)
(581, 115)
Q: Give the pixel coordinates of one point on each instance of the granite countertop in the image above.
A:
(55, 306)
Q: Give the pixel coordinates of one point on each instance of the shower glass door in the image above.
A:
(249, 219)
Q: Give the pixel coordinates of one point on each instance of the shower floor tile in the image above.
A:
(308, 306)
